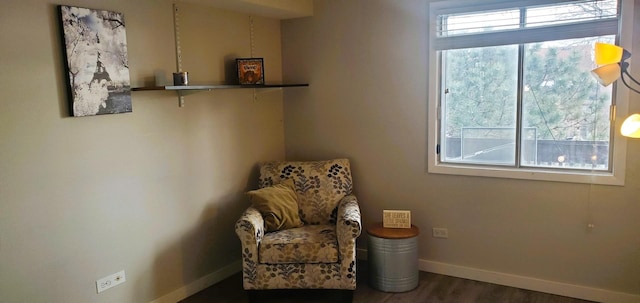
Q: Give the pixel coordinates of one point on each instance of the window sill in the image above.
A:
(569, 176)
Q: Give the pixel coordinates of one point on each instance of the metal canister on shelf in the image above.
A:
(181, 78)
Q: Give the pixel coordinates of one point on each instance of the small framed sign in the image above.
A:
(396, 218)
(250, 71)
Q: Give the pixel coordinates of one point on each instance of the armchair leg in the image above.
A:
(256, 296)
(347, 296)
(253, 296)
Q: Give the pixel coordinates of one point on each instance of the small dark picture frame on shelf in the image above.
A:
(250, 71)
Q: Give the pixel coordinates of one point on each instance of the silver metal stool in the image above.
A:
(393, 258)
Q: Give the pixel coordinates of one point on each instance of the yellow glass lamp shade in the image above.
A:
(631, 126)
(610, 59)
(608, 53)
(607, 74)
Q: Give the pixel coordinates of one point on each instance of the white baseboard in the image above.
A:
(200, 284)
(552, 287)
(546, 286)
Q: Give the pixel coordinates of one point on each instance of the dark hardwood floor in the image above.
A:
(432, 288)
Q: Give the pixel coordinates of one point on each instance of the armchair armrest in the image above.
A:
(250, 229)
(348, 221)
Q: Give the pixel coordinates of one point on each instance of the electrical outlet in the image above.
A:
(439, 232)
(110, 281)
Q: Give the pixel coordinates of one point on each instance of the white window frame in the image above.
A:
(618, 149)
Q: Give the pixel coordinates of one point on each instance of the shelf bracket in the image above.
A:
(176, 32)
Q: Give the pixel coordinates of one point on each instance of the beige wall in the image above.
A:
(367, 67)
(155, 192)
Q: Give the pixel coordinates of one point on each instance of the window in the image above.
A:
(511, 94)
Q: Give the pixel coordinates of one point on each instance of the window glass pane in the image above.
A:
(472, 23)
(479, 105)
(571, 13)
(565, 111)
(509, 19)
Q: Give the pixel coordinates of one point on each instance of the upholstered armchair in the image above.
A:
(321, 253)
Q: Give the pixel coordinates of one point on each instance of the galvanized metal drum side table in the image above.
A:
(393, 258)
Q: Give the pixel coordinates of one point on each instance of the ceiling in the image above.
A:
(278, 9)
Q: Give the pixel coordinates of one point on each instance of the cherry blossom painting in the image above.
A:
(97, 68)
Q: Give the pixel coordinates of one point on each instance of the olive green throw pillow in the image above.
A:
(278, 205)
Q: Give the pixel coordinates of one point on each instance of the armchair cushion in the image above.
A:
(320, 185)
(278, 205)
(307, 244)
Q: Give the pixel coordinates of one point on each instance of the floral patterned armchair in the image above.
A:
(321, 253)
